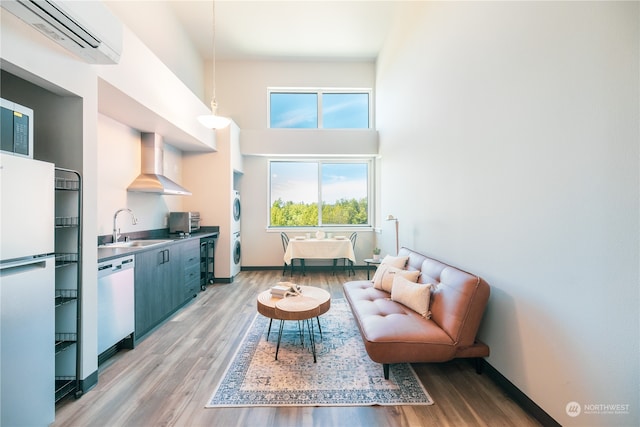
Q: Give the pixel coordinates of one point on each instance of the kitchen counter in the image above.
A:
(106, 253)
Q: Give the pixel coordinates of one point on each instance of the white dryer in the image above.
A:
(236, 209)
(236, 253)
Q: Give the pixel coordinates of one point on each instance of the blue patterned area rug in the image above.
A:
(344, 375)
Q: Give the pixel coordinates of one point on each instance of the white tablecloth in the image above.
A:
(319, 249)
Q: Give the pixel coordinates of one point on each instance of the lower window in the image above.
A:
(306, 193)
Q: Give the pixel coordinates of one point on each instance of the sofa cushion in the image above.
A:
(416, 296)
(383, 279)
(393, 333)
(458, 303)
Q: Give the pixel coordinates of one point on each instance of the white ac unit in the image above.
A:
(86, 28)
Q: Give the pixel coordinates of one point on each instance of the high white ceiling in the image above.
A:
(289, 29)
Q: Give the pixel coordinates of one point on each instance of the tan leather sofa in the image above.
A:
(393, 333)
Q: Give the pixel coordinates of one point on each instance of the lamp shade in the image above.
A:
(212, 121)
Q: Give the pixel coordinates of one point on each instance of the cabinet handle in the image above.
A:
(164, 256)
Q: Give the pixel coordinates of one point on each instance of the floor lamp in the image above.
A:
(393, 218)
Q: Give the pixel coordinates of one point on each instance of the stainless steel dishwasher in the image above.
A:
(116, 315)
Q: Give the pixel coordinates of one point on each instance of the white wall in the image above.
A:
(509, 141)
(119, 149)
(174, 48)
(241, 87)
(142, 92)
(210, 178)
(242, 95)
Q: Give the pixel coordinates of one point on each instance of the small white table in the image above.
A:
(371, 261)
(319, 249)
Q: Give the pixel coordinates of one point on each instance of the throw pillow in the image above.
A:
(383, 279)
(416, 296)
(395, 261)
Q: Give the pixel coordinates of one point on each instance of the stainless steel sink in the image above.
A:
(136, 243)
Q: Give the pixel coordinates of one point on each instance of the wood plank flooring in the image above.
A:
(168, 378)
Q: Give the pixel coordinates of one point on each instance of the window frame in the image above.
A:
(369, 161)
(319, 92)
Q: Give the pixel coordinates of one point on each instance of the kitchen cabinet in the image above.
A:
(191, 267)
(157, 276)
(166, 277)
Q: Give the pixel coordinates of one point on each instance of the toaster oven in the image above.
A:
(184, 222)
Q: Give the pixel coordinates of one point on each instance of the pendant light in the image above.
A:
(213, 121)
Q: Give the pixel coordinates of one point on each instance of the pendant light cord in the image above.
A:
(213, 40)
(213, 121)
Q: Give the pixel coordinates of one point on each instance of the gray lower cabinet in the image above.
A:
(160, 285)
(191, 267)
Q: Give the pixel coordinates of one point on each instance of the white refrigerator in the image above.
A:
(27, 281)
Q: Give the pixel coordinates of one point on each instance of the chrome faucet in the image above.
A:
(116, 231)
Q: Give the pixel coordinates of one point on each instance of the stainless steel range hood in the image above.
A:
(151, 178)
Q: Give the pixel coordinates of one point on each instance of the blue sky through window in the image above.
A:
(294, 110)
(340, 110)
(345, 110)
(344, 181)
(298, 181)
(294, 181)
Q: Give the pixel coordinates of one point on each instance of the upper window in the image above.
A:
(319, 192)
(320, 108)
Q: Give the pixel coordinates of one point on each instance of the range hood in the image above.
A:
(151, 178)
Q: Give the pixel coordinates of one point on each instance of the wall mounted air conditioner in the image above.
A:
(86, 28)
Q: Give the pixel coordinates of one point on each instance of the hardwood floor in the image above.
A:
(168, 378)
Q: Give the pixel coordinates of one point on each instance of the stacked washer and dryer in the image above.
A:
(236, 247)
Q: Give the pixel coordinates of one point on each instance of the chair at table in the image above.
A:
(353, 238)
(285, 243)
(346, 261)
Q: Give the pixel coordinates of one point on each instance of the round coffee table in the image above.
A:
(313, 302)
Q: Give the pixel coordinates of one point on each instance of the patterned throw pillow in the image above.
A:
(383, 279)
(415, 296)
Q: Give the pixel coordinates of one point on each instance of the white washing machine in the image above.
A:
(236, 253)
(236, 208)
